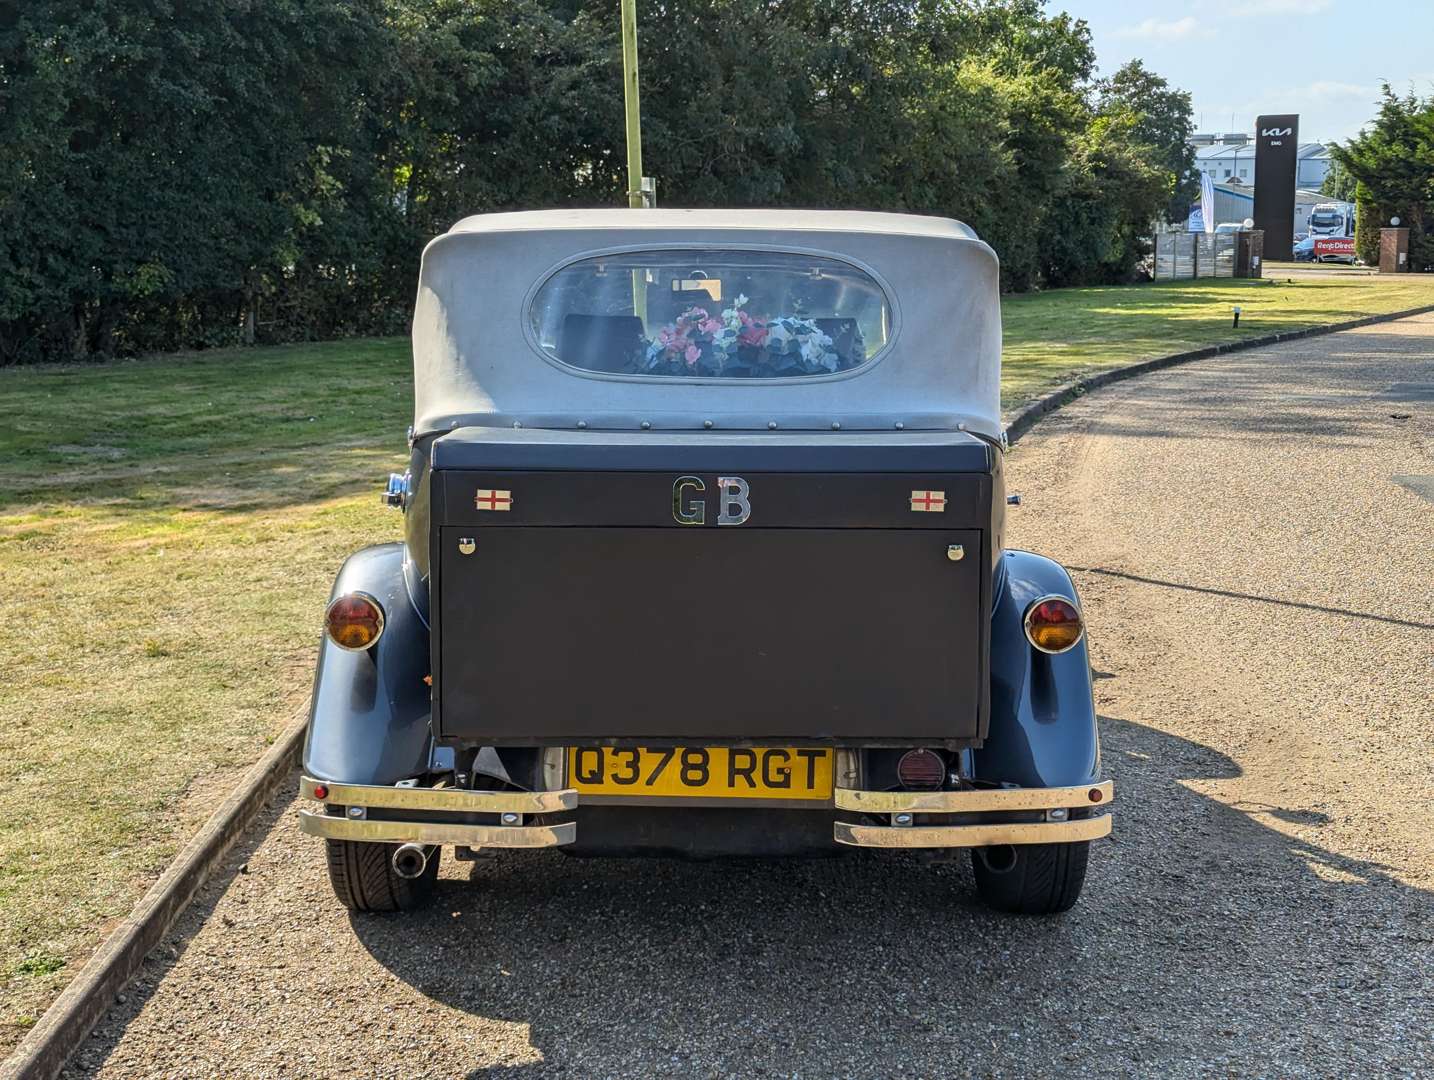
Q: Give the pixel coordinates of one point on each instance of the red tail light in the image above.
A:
(1053, 624)
(921, 769)
(354, 621)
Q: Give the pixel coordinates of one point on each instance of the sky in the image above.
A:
(1322, 59)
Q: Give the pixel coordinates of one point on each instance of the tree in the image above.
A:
(1161, 120)
(1117, 189)
(1338, 183)
(1392, 164)
(156, 171)
(179, 175)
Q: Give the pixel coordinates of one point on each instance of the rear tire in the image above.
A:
(363, 878)
(1031, 879)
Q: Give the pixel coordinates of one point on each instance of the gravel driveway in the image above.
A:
(1262, 615)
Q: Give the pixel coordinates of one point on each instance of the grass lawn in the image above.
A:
(169, 529)
(1052, 336)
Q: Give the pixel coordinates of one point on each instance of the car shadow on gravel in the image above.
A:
(1204, 928)
(1212, 939)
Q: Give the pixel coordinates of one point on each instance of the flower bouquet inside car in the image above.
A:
(737, 344)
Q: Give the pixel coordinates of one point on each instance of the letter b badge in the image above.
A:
(733, 495)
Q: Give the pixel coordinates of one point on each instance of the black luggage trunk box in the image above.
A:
(571, 606)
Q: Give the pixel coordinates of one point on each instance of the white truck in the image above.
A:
(1332, 219)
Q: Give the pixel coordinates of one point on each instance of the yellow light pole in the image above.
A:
(641, 191)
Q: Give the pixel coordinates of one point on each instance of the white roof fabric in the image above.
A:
(476, 361)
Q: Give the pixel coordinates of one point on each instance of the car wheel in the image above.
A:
(1031, 879)
(363, 877)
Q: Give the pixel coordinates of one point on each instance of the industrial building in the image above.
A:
(1230, 159)
(1236, 202)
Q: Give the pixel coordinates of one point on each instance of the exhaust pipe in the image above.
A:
(999, 858)
(410, 860)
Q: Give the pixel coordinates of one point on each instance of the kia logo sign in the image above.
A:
(1276, 166)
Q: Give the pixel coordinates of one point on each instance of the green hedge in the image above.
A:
(182, 175)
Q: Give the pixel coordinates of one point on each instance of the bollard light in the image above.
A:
(1237, 316)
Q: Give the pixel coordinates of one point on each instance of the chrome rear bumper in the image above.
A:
(445, 816)
(903, 807)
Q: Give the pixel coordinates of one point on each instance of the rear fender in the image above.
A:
(1043, 725)
(368, 720)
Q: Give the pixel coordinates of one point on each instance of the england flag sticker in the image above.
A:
(933, 502)
(490, 499)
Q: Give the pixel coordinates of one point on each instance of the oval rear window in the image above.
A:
(711, 314)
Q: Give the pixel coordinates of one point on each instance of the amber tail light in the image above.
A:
(354, 621)
(1053, 624)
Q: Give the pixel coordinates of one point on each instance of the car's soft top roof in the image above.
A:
(477, 361)
(827, 221)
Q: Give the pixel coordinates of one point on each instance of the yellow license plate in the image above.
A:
(720, 772)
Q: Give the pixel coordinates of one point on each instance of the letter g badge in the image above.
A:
(687, 509)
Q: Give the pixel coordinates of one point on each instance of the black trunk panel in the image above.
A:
(548, 635)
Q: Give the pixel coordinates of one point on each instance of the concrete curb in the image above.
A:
(1030, 414)
(69, 1020)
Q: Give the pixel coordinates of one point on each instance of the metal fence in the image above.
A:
(1183, 255)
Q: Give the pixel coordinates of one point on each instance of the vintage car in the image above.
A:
(704, 555)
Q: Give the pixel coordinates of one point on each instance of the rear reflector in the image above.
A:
(921, 769)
